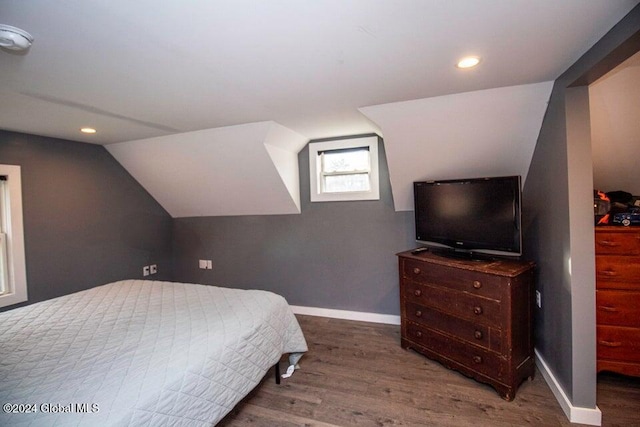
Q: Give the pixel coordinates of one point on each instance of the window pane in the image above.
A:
(346, 160)
(345, 183)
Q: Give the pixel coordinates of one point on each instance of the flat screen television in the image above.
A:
(481, 215)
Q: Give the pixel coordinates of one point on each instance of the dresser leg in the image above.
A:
(507, 394)
(405, 344)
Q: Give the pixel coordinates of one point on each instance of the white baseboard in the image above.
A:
(575, 414)
(389, 319)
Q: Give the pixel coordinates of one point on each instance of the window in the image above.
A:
(344, 169)
(13, 277)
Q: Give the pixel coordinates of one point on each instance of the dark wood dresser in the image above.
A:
(472, 316)
(618, 299)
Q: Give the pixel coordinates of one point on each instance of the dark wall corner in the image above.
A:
(87, 222)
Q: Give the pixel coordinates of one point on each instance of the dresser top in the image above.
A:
(617, 229)
(496, 266)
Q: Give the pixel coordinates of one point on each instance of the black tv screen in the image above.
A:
(480, 214)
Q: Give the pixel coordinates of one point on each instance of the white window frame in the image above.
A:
(315, 169)
(11, 217)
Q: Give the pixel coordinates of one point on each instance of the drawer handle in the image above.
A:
(609, 243)
(611, 343)
(477, 309)
(608, 309)
(477, 359)
(477, 284)
(609, 273)
(418, 313)
(416, 270)
(418, 334)
(417, 292)
(477, 335)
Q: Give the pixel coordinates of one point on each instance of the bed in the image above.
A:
(140, 352)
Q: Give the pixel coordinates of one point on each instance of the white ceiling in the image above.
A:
(208, 102)
(491, 132)
(148, 68)
(614, 104)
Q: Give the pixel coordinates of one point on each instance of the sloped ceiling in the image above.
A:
(614, 103)
(469, 135)
(167, 81)
(234, 170)
(148, 68)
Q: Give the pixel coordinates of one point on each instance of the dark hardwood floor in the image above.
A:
(356, 374)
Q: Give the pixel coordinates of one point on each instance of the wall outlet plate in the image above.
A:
(153, 269)
(145, 270)
(538, 299)
(205, 264)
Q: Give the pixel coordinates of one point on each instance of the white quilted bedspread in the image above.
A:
(142, 353)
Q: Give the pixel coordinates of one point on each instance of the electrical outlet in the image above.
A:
(205, 264)
(153, 269)
(538, 299)
(145, 270)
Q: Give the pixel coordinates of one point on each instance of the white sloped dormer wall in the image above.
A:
(249, 169)
(252, 169)
(489, 132)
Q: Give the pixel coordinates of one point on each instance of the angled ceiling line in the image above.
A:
(96, 110)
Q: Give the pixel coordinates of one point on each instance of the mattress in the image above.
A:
(136, 352)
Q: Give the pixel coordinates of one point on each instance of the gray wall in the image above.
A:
(558, 218)
(546, 238)
(87, 222)
(338, 255)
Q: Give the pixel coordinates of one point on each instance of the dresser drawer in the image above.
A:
(486, 285)
(474, 358)
(618, 343)
(617, 243)
(622, 271)
(465, 330)
(475, 308)
(618, 308)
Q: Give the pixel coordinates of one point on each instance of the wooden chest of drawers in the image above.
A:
(618, 299)
(472, 316)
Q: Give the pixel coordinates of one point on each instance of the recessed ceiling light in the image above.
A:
(88, 130)
(468, 62)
